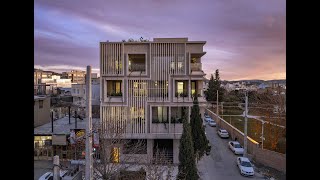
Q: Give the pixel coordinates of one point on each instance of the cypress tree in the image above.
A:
(187, 165)
(200, 140)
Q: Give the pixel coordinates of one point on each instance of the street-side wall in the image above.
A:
(266, 157)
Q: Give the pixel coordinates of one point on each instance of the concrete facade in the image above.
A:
(41, 108)
(145, 86)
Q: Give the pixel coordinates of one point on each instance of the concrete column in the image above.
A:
(176, 144)
(88, 171)
(150, 149)
(189, 89)
(56, 169)
(169, 119)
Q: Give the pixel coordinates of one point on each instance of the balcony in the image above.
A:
(114, 94)
(137, 63)
(196, 66)
(114, 91)
(172, 128)
(137, 67)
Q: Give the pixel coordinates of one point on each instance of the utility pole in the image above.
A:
(75, 119)
(56, 168)
(222, 107)
(217, 103)
(245, 125)
(69, 114)
(52, 121)
(262, 138)
(88, 172)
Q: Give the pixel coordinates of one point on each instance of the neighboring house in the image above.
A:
(40, 74)
(78, 91)
(94, 75)
(76, 76)
(145, 88)
(57, 81)
(48, 143)
(41, 107)
(263, 86)
(229, 87)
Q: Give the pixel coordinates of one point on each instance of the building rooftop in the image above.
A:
(62, 126)
(161, 40)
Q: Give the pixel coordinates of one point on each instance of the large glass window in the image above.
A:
(117, 86)
(193, 87)
(137, 62)
(115, 154)
(180, 87)
(163, 114)
(114, 88)
(42, 141)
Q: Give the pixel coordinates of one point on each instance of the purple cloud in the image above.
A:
(245, 38)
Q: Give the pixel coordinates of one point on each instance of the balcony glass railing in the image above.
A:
(137, 67)
(115, 94)
(196, 66)
(181, 94)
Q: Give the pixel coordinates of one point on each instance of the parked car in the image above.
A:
(223, 133)
(49, 175)
(235, 147)
(212, 123)
(208, 118)
(245, 166)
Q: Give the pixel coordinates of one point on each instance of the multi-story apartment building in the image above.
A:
(40, 74)
(57, 81)
(76, 76)
(145, 88)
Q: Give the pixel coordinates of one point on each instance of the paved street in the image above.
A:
(221, 163)
(43, 166)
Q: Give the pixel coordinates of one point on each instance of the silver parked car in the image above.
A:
(245, 166)
(223, 133)
(235, 147)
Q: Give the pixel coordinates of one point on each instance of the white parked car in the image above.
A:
(212, 123)
(207, 119)
(223, 133)
(235, 147)
(245, 166)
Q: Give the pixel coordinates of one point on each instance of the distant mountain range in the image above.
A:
(258, 81)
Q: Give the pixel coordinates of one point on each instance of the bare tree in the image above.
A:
(161, 167)
(115, 153)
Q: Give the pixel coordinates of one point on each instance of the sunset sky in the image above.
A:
(246, 39)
